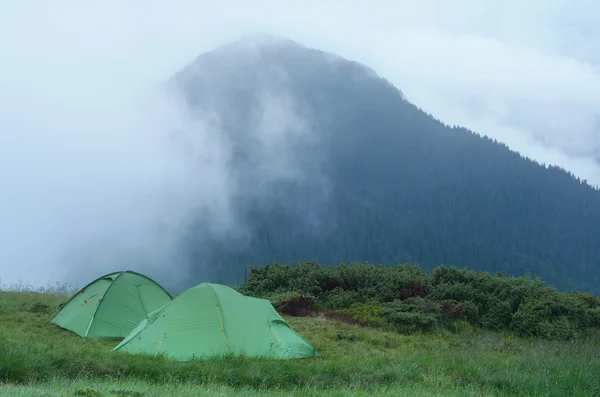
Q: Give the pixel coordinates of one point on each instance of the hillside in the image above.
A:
(334, 165)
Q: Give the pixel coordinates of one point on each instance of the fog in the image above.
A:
(100, 169)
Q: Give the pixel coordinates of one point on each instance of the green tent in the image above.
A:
(211, 320)
(112, 305)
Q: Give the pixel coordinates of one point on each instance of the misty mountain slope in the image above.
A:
(330, 163)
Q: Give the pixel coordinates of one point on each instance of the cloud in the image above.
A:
(93, 180)
(526, 73)
(101, 169)
(86, 151)
(545, 107)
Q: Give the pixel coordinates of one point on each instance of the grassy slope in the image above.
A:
(46, 360)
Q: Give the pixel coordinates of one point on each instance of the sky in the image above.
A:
(86, 153)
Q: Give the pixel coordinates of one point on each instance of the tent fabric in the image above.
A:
(112, 305)
(211, 320)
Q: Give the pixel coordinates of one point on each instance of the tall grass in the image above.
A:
(58, 289)
(465, 361)
(133, 388)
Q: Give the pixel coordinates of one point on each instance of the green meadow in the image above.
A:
(40, 359)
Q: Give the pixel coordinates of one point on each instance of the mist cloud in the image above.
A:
(108, 175)
(95, 162)
(96, 181)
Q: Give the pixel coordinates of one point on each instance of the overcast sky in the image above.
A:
(73, 75)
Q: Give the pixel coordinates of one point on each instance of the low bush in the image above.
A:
(406, 298)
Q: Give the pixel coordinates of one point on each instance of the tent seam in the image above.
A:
(212, 288)
(101, 302)
(149, 279)
(222, 327)
(85, 287)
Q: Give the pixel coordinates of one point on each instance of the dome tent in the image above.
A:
(211, 320)
(111, 306)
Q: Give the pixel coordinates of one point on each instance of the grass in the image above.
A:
(39, 359)
(131, 388)
(141, 389)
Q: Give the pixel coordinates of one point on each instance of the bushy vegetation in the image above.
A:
(40, 359)
(406, 298)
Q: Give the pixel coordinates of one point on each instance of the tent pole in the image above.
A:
(159, 346)
(88, 328)
(57, 310)
(277, 340)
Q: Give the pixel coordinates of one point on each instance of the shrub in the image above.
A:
(412, 321)
(594, 317)
(369, 315)
(267, 280)
(341, 299)
(554, 315)
(412, 314)
(407, 298)
(460, 326)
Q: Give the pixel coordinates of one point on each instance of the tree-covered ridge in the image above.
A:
(406, 298)
(400, 186)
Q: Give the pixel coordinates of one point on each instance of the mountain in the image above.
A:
(333, 164)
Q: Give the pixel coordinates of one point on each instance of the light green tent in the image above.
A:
(112, 305)
(211, 320)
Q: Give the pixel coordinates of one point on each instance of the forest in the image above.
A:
(381, 180)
